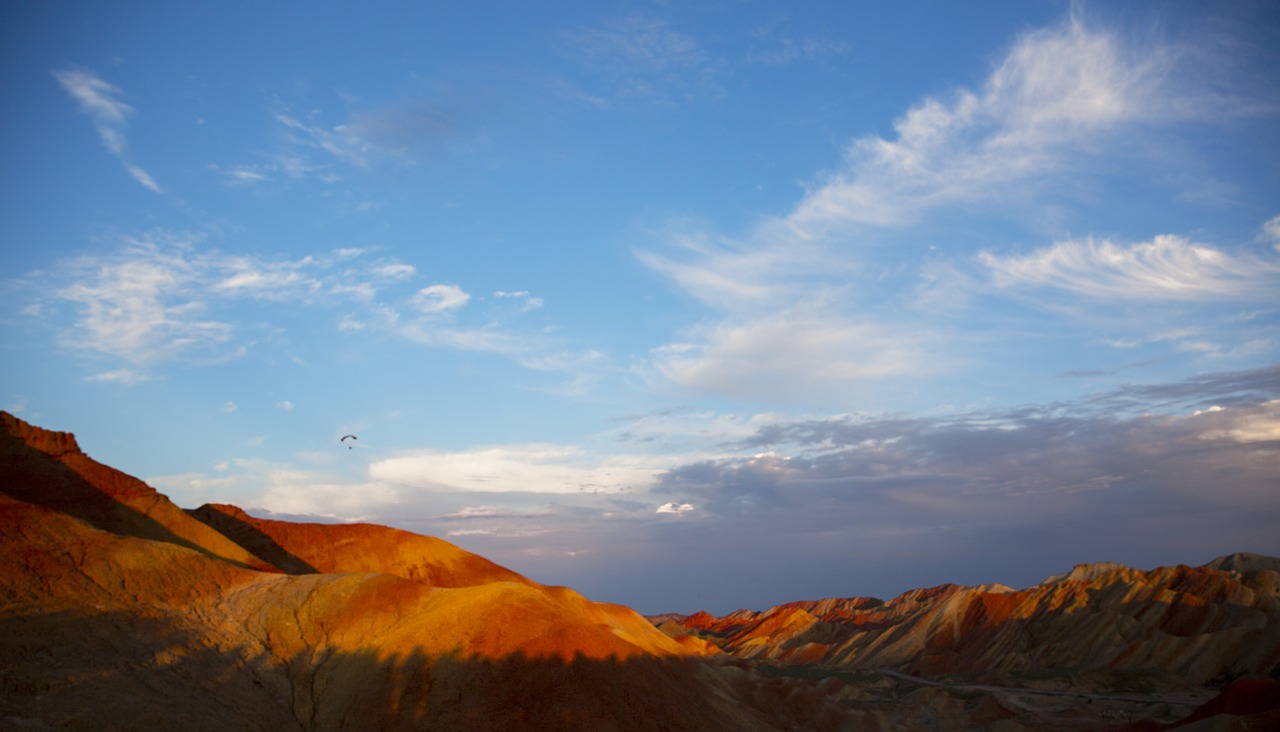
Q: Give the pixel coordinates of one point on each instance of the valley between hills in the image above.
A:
(121, 611)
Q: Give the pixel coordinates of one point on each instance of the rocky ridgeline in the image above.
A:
(1196, 624)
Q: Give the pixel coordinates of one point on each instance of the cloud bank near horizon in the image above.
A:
(1131, 474)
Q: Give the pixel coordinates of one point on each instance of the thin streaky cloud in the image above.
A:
(99, 100)
(338, 142)
(532, 468)
(646, 58)
(1271, 231)
(127, 377)
(1168, 267)
(143, 177)
(638, 44)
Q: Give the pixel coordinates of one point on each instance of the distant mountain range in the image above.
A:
(119, 610)
(1197, 624)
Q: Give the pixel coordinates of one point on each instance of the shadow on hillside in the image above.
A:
(41, 479)
(126, 670)
(253, 540)
(123, 671)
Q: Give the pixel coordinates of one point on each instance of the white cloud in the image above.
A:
(537, 468)
(337, 141)
(517, 533)
(99, 100)
(280, 488)
(646, 58)
(440, 298)
(676, 508)
(1050, 100)
(120, 376)
(140, 304)
(249, 278)
(245, 174)
(530, 303)
(1272, 231)
(802, 353)
(161, 297)
(395, 271)
(285, 405)
(143, 177)
(229, 407)
(469, 512)
(1261, 424)
(1166, 268)
(292, 491)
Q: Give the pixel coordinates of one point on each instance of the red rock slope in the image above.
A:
(120, 611)
(49, 469)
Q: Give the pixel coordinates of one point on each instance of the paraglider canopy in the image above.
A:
(347, 437)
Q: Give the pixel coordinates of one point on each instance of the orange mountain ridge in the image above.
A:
(1199, 623)
(119, 610)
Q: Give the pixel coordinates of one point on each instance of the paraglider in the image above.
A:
(347, 437)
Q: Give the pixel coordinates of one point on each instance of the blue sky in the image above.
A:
(687, 306)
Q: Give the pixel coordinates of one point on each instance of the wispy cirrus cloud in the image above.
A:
(128, 377)
(1168, 267)
(99, 100)
(166, 296)
(397, 134)
(142, 303)
(775, 46)
(644, 57)
(537, 468)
